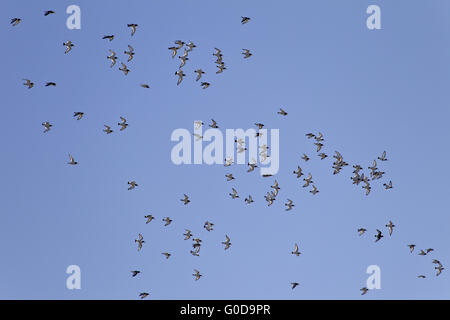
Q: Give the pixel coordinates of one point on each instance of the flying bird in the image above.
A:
(208, 226)
(294, 284)
(50, 84)
(411, 247)
(129, 53)
(149, 218)
(246, 53)
(383, 157)
(124, 68)
(72, 160)
(28, 83)
(110, 38)
(78, 115)
(134, 273)
(180, 75)
(197, 274)
(234, 195)
(107, 129)
(133, 27)
(140, 241)
(132, 185)
(205, 85)
(68, 46)
(361, 231)
(296, 252)
(47, 126)
(46, 13)
(244, 20)
(143, 295)
(167, 220)
(249, 199)
(227, 242)
(112, 57)
(282, 112)
(378, 236)
(390, 226)
(199, 73)
(185, 199)
(15, 21)
(123, 124)
(289, 205)
(166, 254)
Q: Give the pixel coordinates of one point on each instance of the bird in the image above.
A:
(191, 46)
(46, 13)
(294, 284)
(47, 126)
(229, 176)
(68, 45)
(429, 250)
(234, 195)
(383, 157)
(282, 112)
(437, 262)
(188, 234)
(174, 51)
(275, 187)
(319, 137)
(180, 75)
(246, 53)
(197, 274)
(107, 129)
(110, 38)
(185, 199)
(132, 185)
(296, 252)
(183, 61)
(179, 44)
(411, 247)
(146, 86)
(390, 226)
(134, 273)
(388, 186)
(130, 53)
(439, 270)
(308, 180)
(140, 241)
(208, 226)
(289, 205)
(364, 290)
(167, 220)
(310, 135)
(379, 235)
(78, 115)
(422, 253)
(314, 190)
(249, 199)
(244, 20)
(205, 85)
(199, 73)
(227, 242)
(305, 157)
(368, 188)
(149, 218)
(123, 124)
(72, 160)
(218, 52)
(50, 84)
(28, 83)
(197, 136)
(421, 276)
(124, 68)
(322, 156)
(133, 27)
(319, 146)
(221, 68)
(15, 21)
(143, 295)
(214, 124)
(112, 57)
(361, 231)
(166, 254)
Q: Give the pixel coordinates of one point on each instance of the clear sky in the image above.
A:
(366, 91)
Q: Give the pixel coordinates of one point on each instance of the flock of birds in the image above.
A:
(338, 164)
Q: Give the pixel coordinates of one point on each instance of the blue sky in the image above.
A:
(366, 91)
